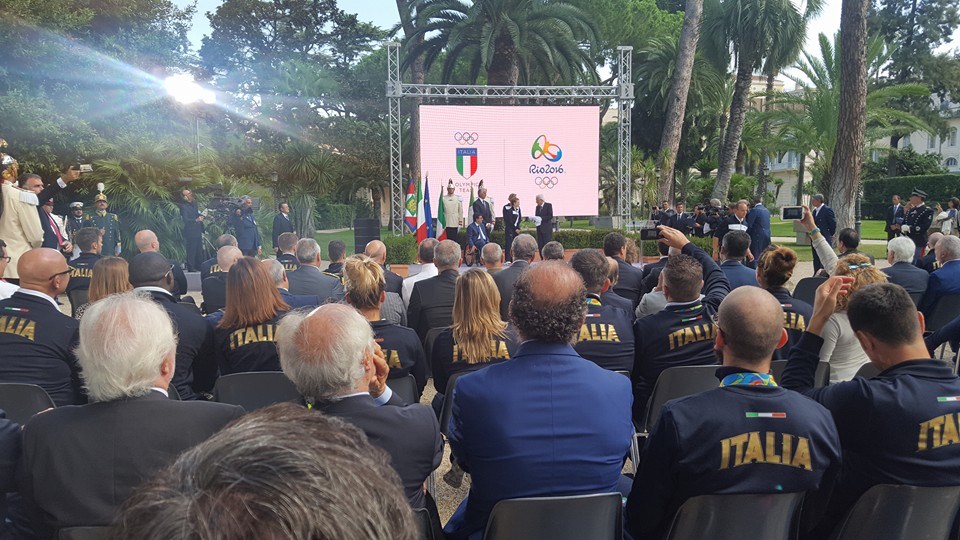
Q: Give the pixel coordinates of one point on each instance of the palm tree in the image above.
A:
(507, 40)
(307, 172)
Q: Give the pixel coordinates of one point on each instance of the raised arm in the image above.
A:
(715, 283)
(827, 256)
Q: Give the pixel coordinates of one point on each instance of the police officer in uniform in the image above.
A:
(606, 336)
(511, 223)
(747, 436)
(74, 221)
(917, 221)
(88, 240)
(683, 333)
(901, 426)
(109, 225)
(453, 212)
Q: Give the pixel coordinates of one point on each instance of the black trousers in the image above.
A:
(453, 233)
(507, 242)
(194, 244)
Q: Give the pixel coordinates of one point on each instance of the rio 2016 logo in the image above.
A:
(546, 149)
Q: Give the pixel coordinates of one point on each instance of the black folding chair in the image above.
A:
(22, 401)
(916, 297)
(820, 379)
(945, 311)
(677, 382)
(84, 533)
(597, 517)
(255, 390)
(868, 371)
(891, 512)
(806, 289)
(774, 516)
(447, 409)
(77, 298)
(406, 388)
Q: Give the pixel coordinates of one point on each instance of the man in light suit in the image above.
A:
(569, 425)
(281, 224)
(477, 237)
(946, 280)
(758, 227)
(431, 302)
(545, 229)
(523, 250)
(128, 432)
(318, 349)
(901, 271)
(308, 279)
(894, 218)
(826, 221)
(279, 275)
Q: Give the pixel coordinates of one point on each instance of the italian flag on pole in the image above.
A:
(441, 220)
(421, 216)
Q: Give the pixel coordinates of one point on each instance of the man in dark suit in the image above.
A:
(130, 430)
(308, 279)
(147, 242)
(609, 297)
(628, 284)
(512, 216)
(279, 275)
(37, 340)
(894, 218)
(245, 226)
(196, 368)
(549, 444)
(377, 251)
(337, 252)
(545, 229)
(409, 433)
(929, 260)
(946, 280)
(524, 249)
(431, 301)
(281, 224)
(901, 271)
(733, 253)
(917, 221)
(192, 230)
(214, 288)
(848, 240)
(484, 207)
(758, 227)
(88, 239)
(680, 220)
(650, 273)
(477, 237)
(826, 221)
(210, 266)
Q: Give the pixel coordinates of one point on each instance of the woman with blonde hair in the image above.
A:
(477, 337)
(365, 286)
(246, 335)
(774, 269)
(111, 275)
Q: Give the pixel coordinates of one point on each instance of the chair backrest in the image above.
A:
(946, 310)
(901, 512)
(447, 409)
(677, 382)
(191, 305)
(77, 297)
(22, 401)
(916, 297)
(820, 379)
(773, 516)
(406, 388)
(214, 292)
(868, 371)
(806, 289)
(597, 517)
(255, 390)
(84, 533)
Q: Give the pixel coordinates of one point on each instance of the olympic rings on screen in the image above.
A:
(466, 137)
(548, 182)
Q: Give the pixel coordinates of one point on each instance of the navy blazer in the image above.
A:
(545, 423)
(245, 227)
(908, 276)
(629, 283)
(280, 225)
(739, 275)
(826, 220)
(299, 300)
(758, 227)
(474, 233)
(942, 282)
(505, 280)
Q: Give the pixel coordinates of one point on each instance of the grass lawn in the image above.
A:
(805, 253)
(870, 229)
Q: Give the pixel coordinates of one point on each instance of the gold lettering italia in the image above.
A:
(599, 332)
(498, 350)
(81, 272)
(768, 447)
(24, 328)
(938, 432)
(252, 334)
(690, 334)
(794, 321)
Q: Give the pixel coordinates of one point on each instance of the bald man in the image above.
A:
(147, 242)
(214, 288)
(568, 427)
(377, 251)
(747, 436)
(37, 340)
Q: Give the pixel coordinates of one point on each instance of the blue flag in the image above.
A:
(428, 215)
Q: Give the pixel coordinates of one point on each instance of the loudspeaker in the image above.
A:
(365, 230)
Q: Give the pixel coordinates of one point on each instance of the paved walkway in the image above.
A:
(793, 239)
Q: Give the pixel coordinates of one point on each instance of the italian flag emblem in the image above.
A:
(467, 162)
(766, 415)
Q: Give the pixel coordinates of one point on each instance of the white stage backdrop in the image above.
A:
(514, 149)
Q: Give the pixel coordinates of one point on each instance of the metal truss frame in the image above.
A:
(622, 93)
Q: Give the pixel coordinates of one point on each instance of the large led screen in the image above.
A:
(525, 150)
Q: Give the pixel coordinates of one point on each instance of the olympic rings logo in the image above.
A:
(466, 137)
(548, 182)
(544, 148)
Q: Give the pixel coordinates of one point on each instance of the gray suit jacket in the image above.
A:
(309, 280)
(908, 276)
(505, 280)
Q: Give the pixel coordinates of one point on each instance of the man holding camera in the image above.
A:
(245, 225)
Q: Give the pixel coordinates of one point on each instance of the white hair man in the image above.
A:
(331, 355)
(279, 275)
(129, 431)
(946, 280)
(900, 252)
(309, 279)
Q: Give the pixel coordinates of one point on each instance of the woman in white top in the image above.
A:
(947, 219)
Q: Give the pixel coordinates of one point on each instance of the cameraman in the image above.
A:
(712, 218)
(245, 226)
(192, 230)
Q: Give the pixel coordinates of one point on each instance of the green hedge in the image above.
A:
(403, 249)
(877, 193)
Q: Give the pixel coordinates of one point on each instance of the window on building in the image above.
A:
(951, 162)
(905, 142)
(931, 140)
(953, 136)
(875, 156)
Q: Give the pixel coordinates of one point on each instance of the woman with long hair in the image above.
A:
(947, 219)
(477, 337)
(365, 286)
(246, 335)
(111, 275)
(774, 269)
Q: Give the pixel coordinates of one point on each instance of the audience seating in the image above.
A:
(255, 390)
(868, 371)
(820, 379)
(428, 521)
(192, 305)
(806, 289)
(677, 382)
(77, 298)
(84, 533)
(946, 310)
(447, 409)
(597, 517)
(738, 516)
(916, 297)
(406, 388)
(891, 512)
(22, 401)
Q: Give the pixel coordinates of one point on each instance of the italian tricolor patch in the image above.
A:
(948, 398)
(766, 415)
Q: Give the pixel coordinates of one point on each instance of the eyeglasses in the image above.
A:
(163, 277)
(64, 273)
(6, 259)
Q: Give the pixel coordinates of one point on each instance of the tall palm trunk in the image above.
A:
(731, 142)
(765, 135)
(677, 100)
(801, 172)
(848, 155)
(504, 67)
